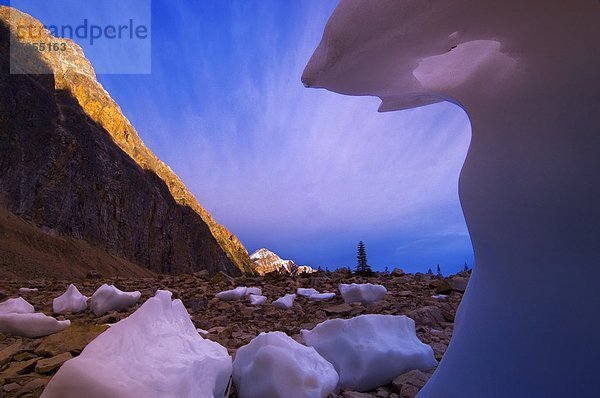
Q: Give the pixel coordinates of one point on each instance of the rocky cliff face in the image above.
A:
(71, 163)
(266, 261)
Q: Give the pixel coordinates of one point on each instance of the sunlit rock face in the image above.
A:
(527, 75)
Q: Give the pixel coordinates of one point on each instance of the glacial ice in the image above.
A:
(155, 352)
(321, 296)
(257, 299)
(30, 324)
(306, 292)
(529, 187)
(362, 292)
(28, 290)
(369, 351)
(71, 301)
(233, 294)
(285, 302)
(109, 298)
(254, 290)
(274, 365)
(16, 305)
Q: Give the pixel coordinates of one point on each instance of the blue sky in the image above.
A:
(304, 172)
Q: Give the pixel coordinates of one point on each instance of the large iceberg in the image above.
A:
(369, 351)
(16, 305)
(109, 298)
(71, 301)
(526, 74)
(274, 365)
(362, 292)
(155, 352)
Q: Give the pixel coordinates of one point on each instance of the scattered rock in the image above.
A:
(397, 272)
(49, 364)
(458, 283)
(409, 384)
(341, 309)
(429, 315)
(72, 340)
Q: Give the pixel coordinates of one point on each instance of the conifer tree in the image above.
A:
(362, 267)
(439, 270)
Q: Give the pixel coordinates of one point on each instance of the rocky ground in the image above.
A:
(26, 365)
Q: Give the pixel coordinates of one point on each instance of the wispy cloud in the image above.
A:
(305, 172)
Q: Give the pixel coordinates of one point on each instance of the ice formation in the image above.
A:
(155, 352)
(306, 292)
(257, 299)
(17, 318)
(28, 290)
(526, 73)
(362, 292)
(254, 290)
(321, 296)
(16, 305)
(233, 294)
(109, 298)
(285, 302)
(274, 365)
(70, 301)
(369, 351)
(30, 324)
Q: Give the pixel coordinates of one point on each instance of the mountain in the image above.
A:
(71, 165)
(266, 261)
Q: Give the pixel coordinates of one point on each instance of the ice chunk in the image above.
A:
(109, 298)
(27, 290)
(254, 290)
(321, 296)
(362, 292)
(273, 365)
(257, 300)
(155, 352)
(16, 305)
(370, 350)
(233, 294)
(306, 292)
(440, 297)
(285, 302)
(30, 324)
(70, 301)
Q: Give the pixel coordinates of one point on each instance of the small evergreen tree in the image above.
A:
(439, 270)
(362, 267)
(429, 272)
(466, 266)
